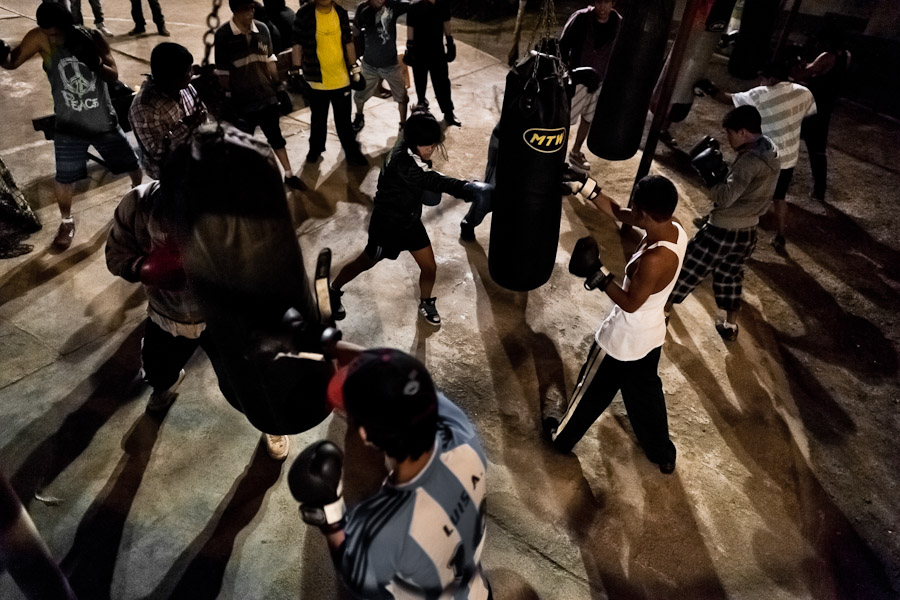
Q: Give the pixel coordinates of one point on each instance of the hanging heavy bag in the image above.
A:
(753, 46)
(534, 129)
(244, 263)
(711, 20)
(634, 67)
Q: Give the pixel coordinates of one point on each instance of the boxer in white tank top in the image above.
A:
(627, 346)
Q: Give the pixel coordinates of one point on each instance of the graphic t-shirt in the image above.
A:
(80, 98)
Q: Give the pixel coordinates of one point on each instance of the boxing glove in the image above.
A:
(451, 50)
(285, 104)
(586, 76)
(409, 55)
(710, 165)
(80, 42)
(478, 191)
(315, 482)
(576, 182)
(705, 86)
(707, 142)
(4, 52)
(585, 262)
(162, 268)
(357, 81)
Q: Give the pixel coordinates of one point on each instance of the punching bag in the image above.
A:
(753, 46)
(244, 264)
(534, 129)
(706, 31)
(634, 67)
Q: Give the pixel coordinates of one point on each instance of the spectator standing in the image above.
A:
(428, 24)
(97, 9)
(140, 24)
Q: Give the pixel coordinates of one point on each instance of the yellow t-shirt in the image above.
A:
(330, 52)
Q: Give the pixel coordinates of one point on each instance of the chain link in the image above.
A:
(209, 38)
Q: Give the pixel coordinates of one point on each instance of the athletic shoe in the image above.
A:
(466, 233)
(163, 399)
(337, 308)
(138, 30)
(728, 331)
(161, 30)
(422, 105)
(778, 242)
(313, 157)
(359, 122)
(666, 138)
(699, 222)
(579, 161)
(103, 30)
(451, 119)
(429, 311)
(295, 183)
(548, 428)
(64, 235)
(667, 468)
(278, 446)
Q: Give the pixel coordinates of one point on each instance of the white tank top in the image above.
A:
(631, 336)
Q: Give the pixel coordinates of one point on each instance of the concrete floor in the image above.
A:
(786, 485)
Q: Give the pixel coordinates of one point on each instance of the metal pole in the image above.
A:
(670, 75)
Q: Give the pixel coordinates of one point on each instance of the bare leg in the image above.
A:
(731, 316)
(64, 193)
(137, 176)
(425, 259)
(781, 209)
(402, 107)
(584, 128)
(353, 268)
(282, 155)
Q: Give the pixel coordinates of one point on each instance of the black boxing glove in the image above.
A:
(357, 81)
(585, 262)
(451, 49)
(409, 55)
(710, 165)
(705, 86)
(586, 76)
(707, 142)
(5, 49)
(285, 104)
(478, 192)
(315, 482)
(162, 268)
(80, 42)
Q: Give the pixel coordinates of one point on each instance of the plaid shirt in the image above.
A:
(158, 122)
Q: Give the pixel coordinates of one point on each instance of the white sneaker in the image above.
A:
(578, 161)
(278, 446)
(163, 399)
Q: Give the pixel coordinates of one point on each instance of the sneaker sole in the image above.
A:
(432, 323)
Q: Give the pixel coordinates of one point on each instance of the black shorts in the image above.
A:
(784, 181)
(389, 243)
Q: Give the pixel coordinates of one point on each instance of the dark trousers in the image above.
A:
(164, 355)
(815, 133)
(601, 377)
(339, 100)
(95, 7)
(137, 13)
(440, 80)
(268, 119)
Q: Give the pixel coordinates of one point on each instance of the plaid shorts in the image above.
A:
(722, 252)
(72, 153)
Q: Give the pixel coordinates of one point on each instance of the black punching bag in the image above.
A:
(711, 20)
(244, 264)
(634, 67)
(534, 129)
(753, 46)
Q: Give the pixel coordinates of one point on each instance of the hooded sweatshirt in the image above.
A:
(747, 191)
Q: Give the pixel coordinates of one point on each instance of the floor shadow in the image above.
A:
(42, 267)
(101, 394)
(198, 572)
(91, 561)
(761, 440)
(621, 550)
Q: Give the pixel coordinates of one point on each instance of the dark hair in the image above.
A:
(392, 396)
(168, 63)
(779, 68)
(743, 117)
(422, 129)
(238, 4)
(51, 14)
(656, 196)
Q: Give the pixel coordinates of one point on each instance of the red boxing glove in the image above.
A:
(163, 268)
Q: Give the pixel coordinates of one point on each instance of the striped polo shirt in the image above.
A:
(423, 539)
(245, 59)
(783, 107)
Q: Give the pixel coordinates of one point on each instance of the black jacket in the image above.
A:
(305, 35)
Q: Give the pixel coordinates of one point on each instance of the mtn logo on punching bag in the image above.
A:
(547, 141)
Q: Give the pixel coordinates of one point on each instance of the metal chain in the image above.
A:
(209, 38)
